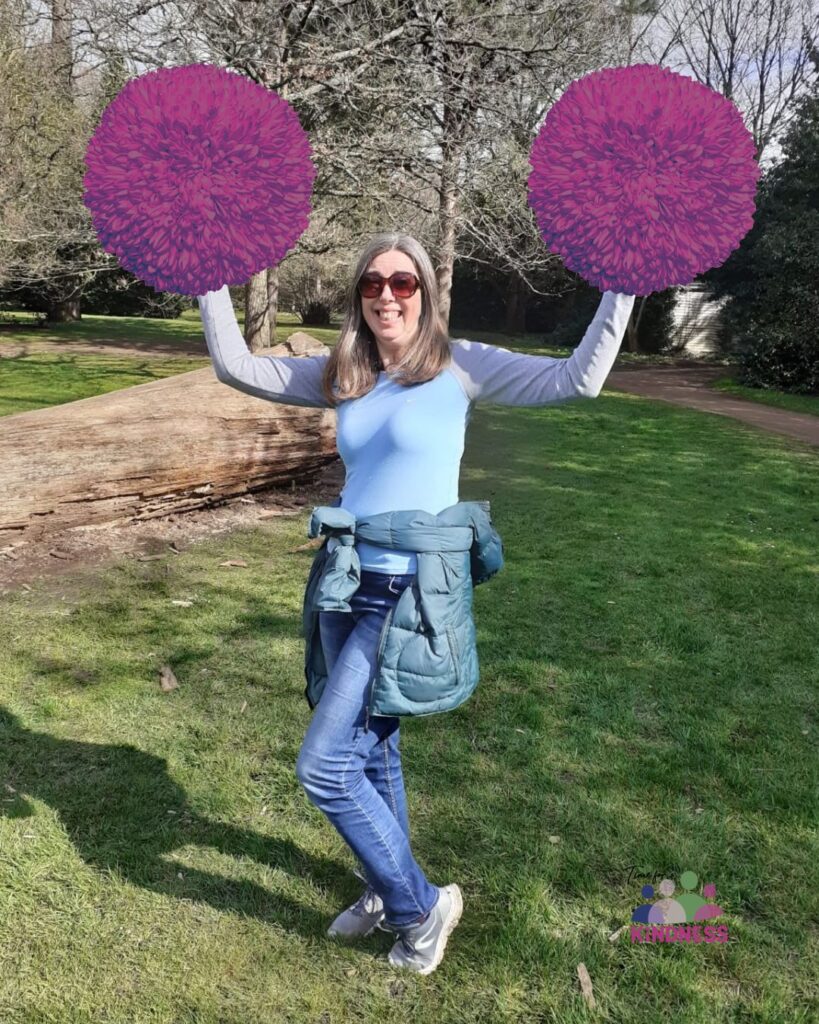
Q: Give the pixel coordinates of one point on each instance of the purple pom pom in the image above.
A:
(642, 178)
(197, 177)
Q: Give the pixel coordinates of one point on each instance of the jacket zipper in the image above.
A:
(455, 651)
(381, 642)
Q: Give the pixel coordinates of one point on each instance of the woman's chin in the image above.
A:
(389, 332)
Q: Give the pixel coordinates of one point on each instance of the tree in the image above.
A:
(311, 286)
(756, 53)
(342, 64)
(498, 229)
(440, 101)
(770, 281)
(48, 248)
(421, 113)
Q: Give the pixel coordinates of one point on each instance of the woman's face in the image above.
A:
(393, 321)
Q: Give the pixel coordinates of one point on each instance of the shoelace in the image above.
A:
(367, 903)
(406, 941)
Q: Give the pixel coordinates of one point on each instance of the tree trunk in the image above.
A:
(515, 319)
(257, 320)
(62, 56)
(272, 300)
(262, 291)
(446, 226)
(172, 445)
(632, 328)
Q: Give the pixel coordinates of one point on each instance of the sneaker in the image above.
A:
(359, 920)
(420, 947)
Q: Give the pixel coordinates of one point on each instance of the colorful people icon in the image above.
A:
(690, 901)
(688, 906)
(641, 912)
(666, 910)
(710, 909)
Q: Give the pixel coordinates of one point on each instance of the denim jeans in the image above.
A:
(354, 775)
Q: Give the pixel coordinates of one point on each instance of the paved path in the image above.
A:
(687, 386)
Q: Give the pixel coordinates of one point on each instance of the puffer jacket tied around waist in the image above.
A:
(427, 658)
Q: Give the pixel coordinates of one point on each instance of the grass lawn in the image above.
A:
(647, 705)
(48, 378)
(137, 329)
(40, 379)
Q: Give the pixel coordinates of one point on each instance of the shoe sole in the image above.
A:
(357, 935)
(450, 924)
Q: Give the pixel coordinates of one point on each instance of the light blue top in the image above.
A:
(402, 446)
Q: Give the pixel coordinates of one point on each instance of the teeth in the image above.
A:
(389, 316)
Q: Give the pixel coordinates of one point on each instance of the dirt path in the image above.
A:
(688, 386)
(68, 347)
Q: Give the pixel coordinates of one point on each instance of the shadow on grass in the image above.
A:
(123, 812)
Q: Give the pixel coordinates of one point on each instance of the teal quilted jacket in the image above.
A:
(427, 657)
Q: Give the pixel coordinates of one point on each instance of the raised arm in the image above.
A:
(493, 374)
(293, 380)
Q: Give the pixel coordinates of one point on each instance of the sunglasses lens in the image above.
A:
(401, 285)
(369, 287)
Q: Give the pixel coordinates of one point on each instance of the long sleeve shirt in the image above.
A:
(402, 446)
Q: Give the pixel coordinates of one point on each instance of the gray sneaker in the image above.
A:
(420, 947)
(359, 920)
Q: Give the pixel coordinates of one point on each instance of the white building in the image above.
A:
(696, 318)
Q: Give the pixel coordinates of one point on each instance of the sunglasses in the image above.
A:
(403, 285)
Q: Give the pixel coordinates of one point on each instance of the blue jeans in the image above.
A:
(354, 775)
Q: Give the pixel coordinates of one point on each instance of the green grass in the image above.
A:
(781, 399)
(92, 328)
(136, 330)
(648, 695)
(48, 378)
(34, 380)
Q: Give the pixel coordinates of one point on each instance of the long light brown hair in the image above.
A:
(354, 364)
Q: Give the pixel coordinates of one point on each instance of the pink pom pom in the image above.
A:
(642, 178)
(197, 177)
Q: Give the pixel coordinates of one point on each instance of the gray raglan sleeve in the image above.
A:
(293, 380)
(493, 374)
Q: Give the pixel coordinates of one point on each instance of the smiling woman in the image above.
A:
(374, 651)
(391, 302)
(392, 322)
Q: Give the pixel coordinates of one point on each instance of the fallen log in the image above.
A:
(184, 442)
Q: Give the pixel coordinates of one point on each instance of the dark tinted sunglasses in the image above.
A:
(403, 285)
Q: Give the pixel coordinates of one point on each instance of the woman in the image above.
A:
(404, 394)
